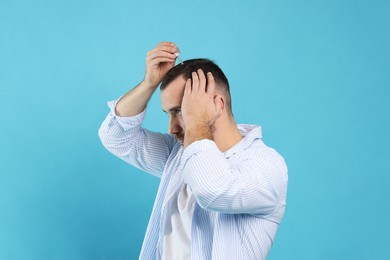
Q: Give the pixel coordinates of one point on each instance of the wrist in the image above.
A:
(148, 86)
(196, 125)
(196, 131)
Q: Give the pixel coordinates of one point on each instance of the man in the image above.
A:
(222, 193)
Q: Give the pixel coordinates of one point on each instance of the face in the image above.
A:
(171, 98)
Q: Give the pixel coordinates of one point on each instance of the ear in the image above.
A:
(219, 102)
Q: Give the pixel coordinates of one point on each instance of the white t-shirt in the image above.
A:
(177, 237)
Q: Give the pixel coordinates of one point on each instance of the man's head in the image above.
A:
(172, 90)
(186, 68)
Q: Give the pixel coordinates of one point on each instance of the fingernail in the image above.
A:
(177, 54)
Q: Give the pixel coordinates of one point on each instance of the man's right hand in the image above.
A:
(158, 62)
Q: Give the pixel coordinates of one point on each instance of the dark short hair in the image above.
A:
(186, 68)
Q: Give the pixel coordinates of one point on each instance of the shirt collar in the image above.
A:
(249, 133)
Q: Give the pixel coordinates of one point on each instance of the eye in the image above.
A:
(176, 111)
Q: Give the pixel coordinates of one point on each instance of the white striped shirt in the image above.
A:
(240, 195)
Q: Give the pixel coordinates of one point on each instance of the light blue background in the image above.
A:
(314, 74)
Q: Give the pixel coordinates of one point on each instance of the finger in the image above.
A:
(171, 49)
(187, 88)
(172, 44)
(187, 93)
(167, 46)
(160, 53)
(210, 83)
(161, 60)
(195, 81)
(202, 80)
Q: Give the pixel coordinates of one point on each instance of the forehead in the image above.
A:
(172, 95)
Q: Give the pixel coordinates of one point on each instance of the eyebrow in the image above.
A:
(173, 109)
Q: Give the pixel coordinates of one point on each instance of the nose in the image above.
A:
(174, 126)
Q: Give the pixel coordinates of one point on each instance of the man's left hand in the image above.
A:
(199, 107)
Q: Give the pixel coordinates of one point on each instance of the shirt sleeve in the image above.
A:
(125, 138)
(255, 182)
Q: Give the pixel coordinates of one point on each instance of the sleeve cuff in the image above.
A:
(195, 148)
(125, 122)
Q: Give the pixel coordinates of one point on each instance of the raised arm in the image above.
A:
(252, 180)
(121, 132)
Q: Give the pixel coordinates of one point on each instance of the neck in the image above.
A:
(226, 134)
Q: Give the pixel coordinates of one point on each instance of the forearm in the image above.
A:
(134, 101)
(125, 138)
(253, 181)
